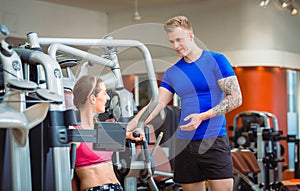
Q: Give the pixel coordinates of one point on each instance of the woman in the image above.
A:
(94, 169)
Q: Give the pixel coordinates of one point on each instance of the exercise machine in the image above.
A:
(49, 165)
(256, 133)
(246, 169)
(145, 168)
(17, 119)
(113, 78)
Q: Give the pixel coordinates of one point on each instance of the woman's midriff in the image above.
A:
(96, 175)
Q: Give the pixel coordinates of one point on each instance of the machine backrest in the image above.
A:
(245, 161)
(251, 161)
(239, 162)
(69, 100)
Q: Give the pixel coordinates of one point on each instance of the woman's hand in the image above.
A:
(110, 120)
(129, 135)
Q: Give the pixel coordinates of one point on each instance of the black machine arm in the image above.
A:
(105, 136)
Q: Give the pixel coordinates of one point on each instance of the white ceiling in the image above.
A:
(110, 6)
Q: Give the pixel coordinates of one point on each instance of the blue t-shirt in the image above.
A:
(196, 84)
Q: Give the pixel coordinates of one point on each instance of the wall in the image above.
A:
(270, 28)
(227, 26)
(220, 25)
(51, 20)
(264, 36)
(263, 89)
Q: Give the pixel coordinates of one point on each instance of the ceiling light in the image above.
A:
(293, 10)
(136, 14)
(264, 3)
(284, 3)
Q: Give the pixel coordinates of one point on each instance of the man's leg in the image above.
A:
(198, 186)
(222, 184)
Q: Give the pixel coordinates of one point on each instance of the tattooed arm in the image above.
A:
(233, 96)
(232, 100)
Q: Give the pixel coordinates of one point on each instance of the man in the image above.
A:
(208, 88)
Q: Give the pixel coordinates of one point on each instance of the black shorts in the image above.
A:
(200, 160)
(106, 187)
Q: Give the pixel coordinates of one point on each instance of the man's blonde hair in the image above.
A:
(178, 21)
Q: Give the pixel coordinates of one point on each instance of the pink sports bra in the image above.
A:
(86, 156)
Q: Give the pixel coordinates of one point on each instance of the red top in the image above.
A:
(86, 156)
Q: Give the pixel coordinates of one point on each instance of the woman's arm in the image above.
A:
(75, 183)
(165, 96)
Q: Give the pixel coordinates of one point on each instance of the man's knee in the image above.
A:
(197, 186)
(223, 184)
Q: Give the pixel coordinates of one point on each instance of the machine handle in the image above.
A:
(72, 158)
(4, 30)
(159, 137)
(136, 134)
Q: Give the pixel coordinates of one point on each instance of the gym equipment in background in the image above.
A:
(259, 132)
(246, 169)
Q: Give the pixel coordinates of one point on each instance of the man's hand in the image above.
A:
(195, 120)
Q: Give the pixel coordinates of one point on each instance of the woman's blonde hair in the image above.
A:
(86, 86)
(178, 21)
